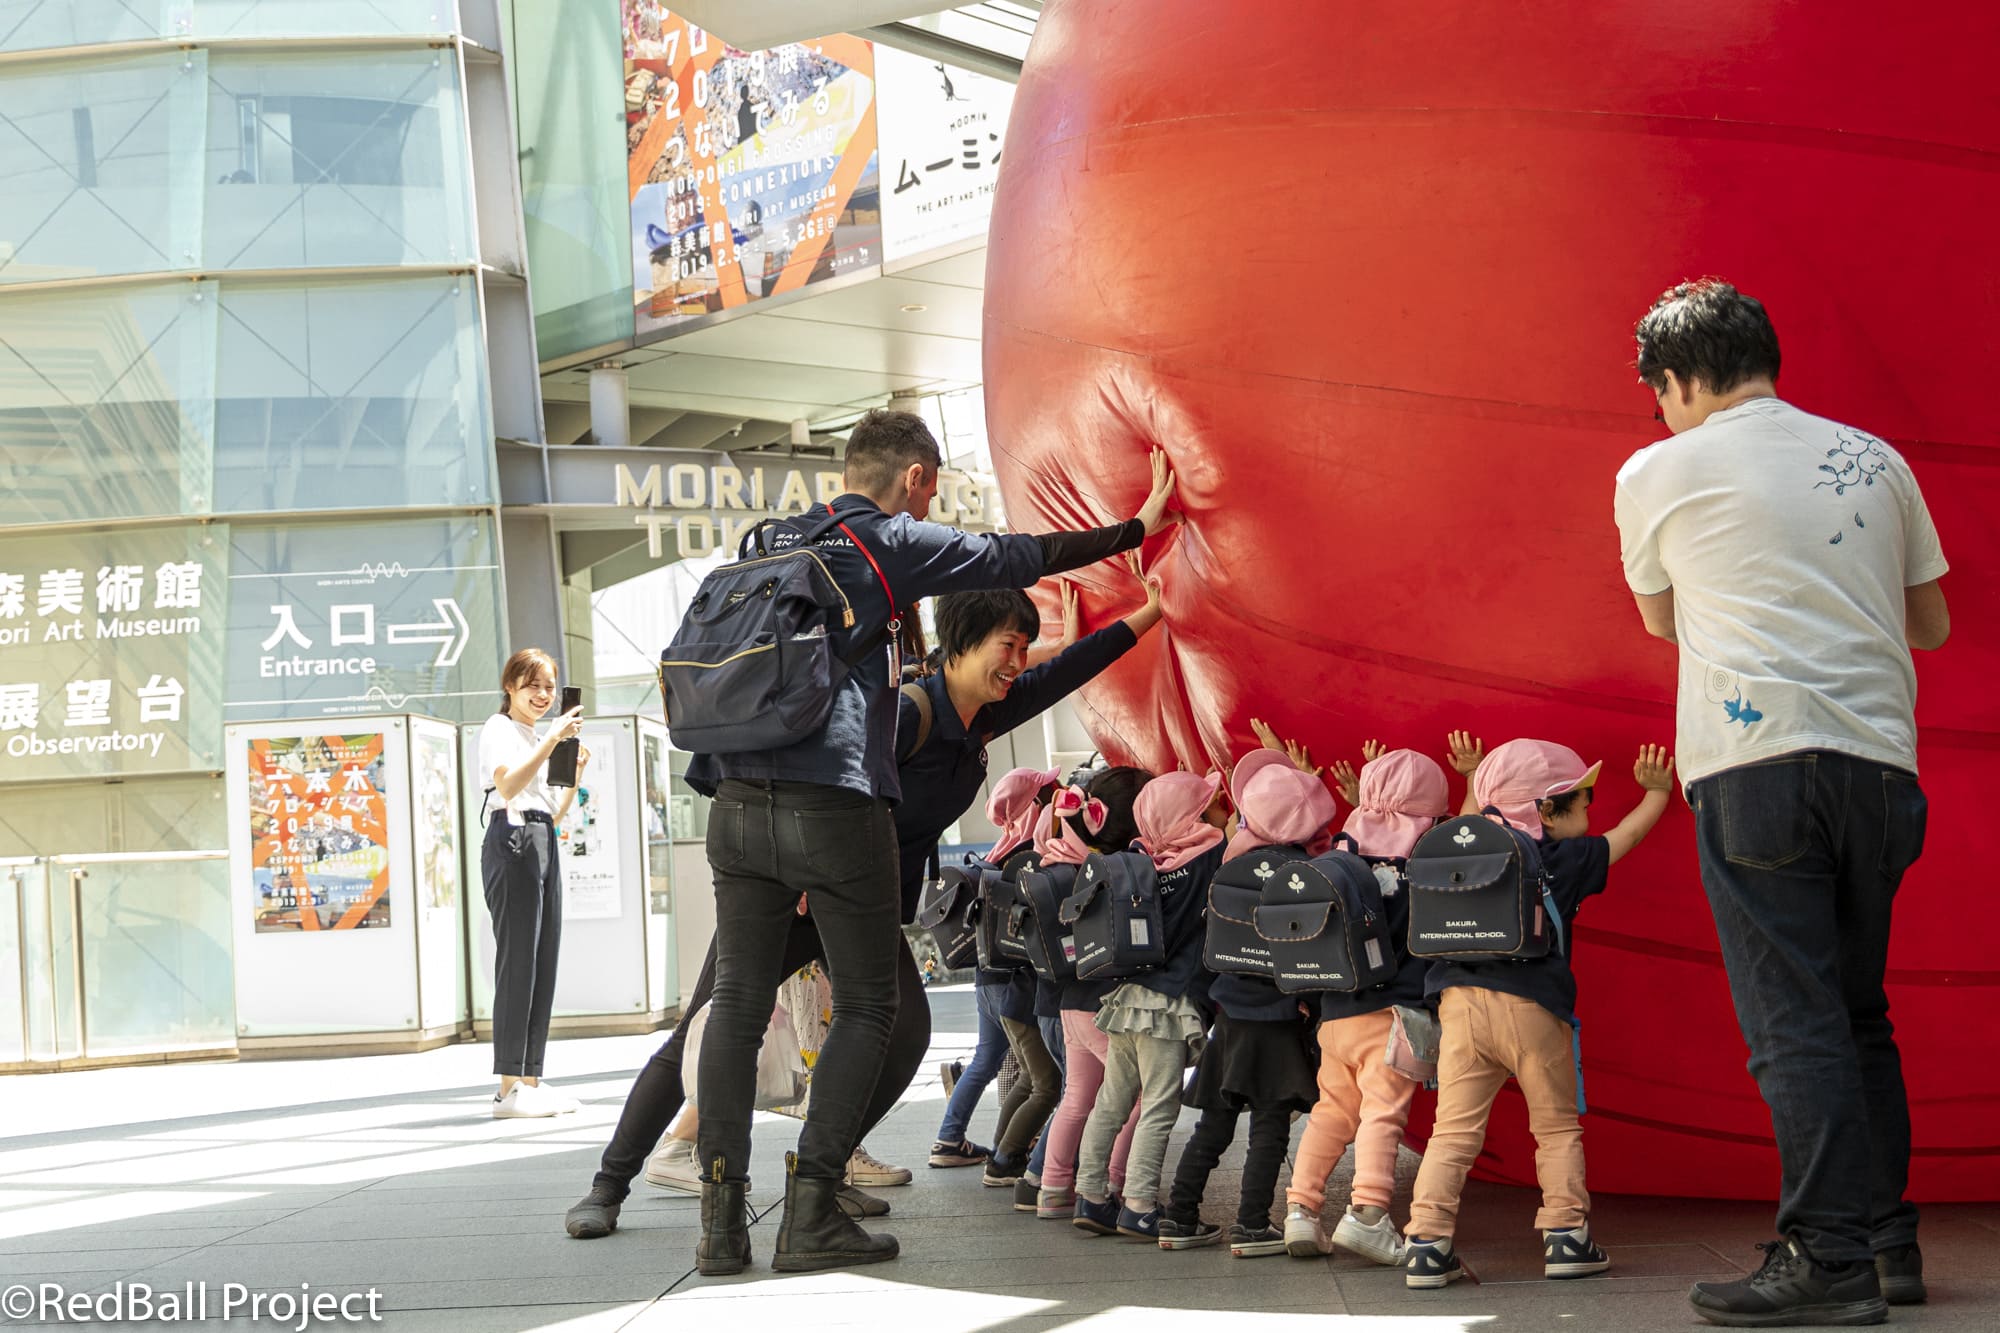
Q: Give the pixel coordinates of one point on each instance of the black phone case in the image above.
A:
(562, 759)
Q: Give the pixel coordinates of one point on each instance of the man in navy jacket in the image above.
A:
(816, 817)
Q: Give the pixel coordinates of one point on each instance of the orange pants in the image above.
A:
(1489, 1035)
(1361, 1101)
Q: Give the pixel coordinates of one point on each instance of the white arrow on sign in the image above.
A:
(452, 633)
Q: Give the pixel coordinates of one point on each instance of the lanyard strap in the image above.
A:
(895, 613)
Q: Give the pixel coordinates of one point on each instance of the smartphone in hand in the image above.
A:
(562, 759)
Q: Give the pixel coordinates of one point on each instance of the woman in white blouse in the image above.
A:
(523, 876)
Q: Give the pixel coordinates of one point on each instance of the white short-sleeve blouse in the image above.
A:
(505, 743)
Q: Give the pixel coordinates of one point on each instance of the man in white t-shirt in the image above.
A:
(1793, 561)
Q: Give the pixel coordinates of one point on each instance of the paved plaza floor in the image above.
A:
(387, 1173)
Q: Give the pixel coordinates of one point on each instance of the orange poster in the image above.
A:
(319, 832)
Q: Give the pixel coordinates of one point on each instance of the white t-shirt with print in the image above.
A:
(505, 743)
(1788, 540)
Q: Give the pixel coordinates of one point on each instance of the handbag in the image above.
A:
(1413, 1044)
(1116, 915)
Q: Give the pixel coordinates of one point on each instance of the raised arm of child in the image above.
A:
(1293, 750)
(1654, 770)
(1348, 779)
(1465, 751)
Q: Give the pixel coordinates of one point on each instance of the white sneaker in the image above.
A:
(1305, 1238)
(1378, 1240)
(674, 1167)
(525, 1102)
(563, 1103)
(866, 1172)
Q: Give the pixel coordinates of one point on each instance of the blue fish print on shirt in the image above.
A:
(1739, 711)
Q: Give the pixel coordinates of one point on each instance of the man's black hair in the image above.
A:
(965, 619)
(882, 445)
(1706, 330)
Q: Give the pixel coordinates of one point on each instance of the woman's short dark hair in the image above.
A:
(882, 444)
(965, 619)
(1706, 330)
(1118, 787)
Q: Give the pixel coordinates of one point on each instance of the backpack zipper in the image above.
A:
(846, 607)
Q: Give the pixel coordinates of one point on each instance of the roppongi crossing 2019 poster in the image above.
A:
(751, 173)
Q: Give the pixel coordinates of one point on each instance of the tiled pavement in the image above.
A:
(386, 1173)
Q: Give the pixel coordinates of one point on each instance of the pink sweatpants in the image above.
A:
(1361, 1101)
(1084, 1045)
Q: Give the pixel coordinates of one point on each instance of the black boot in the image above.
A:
(816, 1234)
(858, 1205)
(724, 1247)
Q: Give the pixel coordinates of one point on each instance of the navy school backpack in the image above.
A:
(1325, 925)
(1051, 942)
(948, 909)
(1476, 891)
(1231, 942)
(752, 665)
(1116, 914)
(1001, 939)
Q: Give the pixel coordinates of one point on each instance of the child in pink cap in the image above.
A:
(1019, 796)
(1398, 796)
(1516, 1017)
(1256, 1059)
(1150, 1019)
(1103, 822)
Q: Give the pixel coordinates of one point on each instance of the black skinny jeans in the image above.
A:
(1270, 1134)
(657, 1095)
(767, 842)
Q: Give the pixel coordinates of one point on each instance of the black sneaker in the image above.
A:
(1027, 1194)
(1572, 1253)
(594, 1215)
(963, 1153)
(1255, 1242)
(1001, 1172)
(1793, 1288)
(1429, 1264)
(1187, 1235)
(949, 1073)
(1901, 1272)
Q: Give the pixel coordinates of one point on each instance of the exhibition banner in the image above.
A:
(319, 832)
(750, 173)
(111, 649)
(590, 831)
(942, 132)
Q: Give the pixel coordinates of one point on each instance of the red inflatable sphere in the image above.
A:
(1369, 271)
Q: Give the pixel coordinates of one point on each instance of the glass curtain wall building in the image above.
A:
(261, 269)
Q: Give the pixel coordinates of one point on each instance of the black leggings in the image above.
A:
(1270, 1134)
(656, 1095)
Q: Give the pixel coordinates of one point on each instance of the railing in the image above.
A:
(116, 955)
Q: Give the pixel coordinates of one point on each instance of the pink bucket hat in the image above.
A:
(1012, 808)
(1519, 774)
(1402, 794)
(1277, 803)
(1169, 812)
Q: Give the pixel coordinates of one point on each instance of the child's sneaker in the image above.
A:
(1027, 1193)
(1051, 1204)
(949, 1073)
(1139, 1226)
(1099, 1219)
(1001, 1173)
(963, 1153)
(1428, 1264)
(1187, 1235)
(1305, 1238)
(1255, 1242)
(1572, 1253)
(1368, 1232)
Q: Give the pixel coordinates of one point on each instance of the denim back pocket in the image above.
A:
(1766, 811)
(1905, 814)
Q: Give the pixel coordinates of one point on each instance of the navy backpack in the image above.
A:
(1115, 910)
(1476, 890)
(1325, 925)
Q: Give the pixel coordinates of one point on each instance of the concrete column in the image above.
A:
(610, 406)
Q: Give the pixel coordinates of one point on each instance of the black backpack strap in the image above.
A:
(1348, 838)
(921, 697)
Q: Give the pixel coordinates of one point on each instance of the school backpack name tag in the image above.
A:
(1475, 889)
(1325, 925)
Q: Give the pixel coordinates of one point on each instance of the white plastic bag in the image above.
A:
(782, 1072)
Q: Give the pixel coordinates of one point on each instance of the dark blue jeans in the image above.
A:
(980, 1069)
(1801, 857)
(767, 843)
